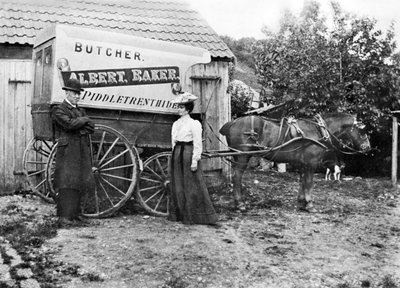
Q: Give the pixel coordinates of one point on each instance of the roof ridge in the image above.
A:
(15, 26)
(106, 19)
(93, 10)
(19, 35)
(47, 4)
(166, 2)
(107, 26)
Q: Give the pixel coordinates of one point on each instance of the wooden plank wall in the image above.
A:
(15, 120)
(215, 104)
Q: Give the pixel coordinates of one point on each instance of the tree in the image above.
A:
(351, 67)
(339, 69)
(242, 96)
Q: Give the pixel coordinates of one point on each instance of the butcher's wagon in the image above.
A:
(128, 82)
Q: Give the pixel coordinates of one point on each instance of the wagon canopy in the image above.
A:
(117, 71)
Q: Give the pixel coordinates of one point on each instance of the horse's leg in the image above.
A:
(304, 198)
(239, 166)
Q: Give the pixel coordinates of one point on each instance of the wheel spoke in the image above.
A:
(117, 177)
(161, 168)
(159, 201)
(152, 196)
(36, 172)
(154, 172)
(150, 188)
(105, 192)
(109, 150)
(117, 167)
(40, 183)
(112, 159)
(149, 179)
(43, 152)
(36, 162)
(116, 188)
(48, 146)
(100, 145)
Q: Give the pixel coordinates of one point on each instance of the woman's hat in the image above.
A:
(73, 85)
(184, 98)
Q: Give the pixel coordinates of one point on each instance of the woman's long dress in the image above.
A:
(189, 201)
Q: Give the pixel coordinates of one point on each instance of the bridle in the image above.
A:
(343, 147)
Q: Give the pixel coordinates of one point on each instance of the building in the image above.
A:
(170, 20)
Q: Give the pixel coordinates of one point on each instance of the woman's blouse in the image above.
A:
(186, 129)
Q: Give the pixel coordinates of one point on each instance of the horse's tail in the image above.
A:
(225, 128)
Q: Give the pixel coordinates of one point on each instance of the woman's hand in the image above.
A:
(193, 167)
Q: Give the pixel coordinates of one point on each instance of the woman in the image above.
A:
(190, 202)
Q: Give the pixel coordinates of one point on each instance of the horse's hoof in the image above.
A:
(307, 208)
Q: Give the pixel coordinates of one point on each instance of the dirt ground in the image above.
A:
(353, 241)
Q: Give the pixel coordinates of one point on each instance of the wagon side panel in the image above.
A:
(145, 130)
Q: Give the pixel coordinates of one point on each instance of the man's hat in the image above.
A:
(73, 85)
(184, 98)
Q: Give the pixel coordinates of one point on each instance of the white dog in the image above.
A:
(335, 170)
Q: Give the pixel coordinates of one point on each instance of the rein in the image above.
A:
(328, 136)
(343, 145)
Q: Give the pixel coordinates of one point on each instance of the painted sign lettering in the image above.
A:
(107, 51)
(124, 77)
(127, 101)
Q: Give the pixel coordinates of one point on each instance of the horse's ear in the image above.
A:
(225, 128)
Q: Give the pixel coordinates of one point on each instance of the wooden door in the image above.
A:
(15, 120)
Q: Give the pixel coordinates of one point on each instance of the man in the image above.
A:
(73, 171)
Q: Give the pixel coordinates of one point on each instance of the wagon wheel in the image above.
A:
(154, 184)
(115, 167)
(51, 162)
(35, 161)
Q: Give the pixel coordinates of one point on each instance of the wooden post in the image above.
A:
(394, 151)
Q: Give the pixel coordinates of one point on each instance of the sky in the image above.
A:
(245, 18)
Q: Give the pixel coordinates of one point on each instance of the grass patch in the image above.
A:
(21, 235)
(3, 254)
(389, 281)
(26, 236)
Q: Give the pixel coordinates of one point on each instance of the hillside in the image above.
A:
(246, 74)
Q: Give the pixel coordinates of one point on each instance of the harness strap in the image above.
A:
(292, 122)
(253, 135)
(323, 128)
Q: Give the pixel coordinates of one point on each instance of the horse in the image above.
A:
(302, 142)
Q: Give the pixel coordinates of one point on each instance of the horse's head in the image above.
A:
(349, 133)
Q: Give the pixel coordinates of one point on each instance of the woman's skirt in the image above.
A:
(189, 201)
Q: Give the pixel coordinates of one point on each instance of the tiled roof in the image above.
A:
(169, 20)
